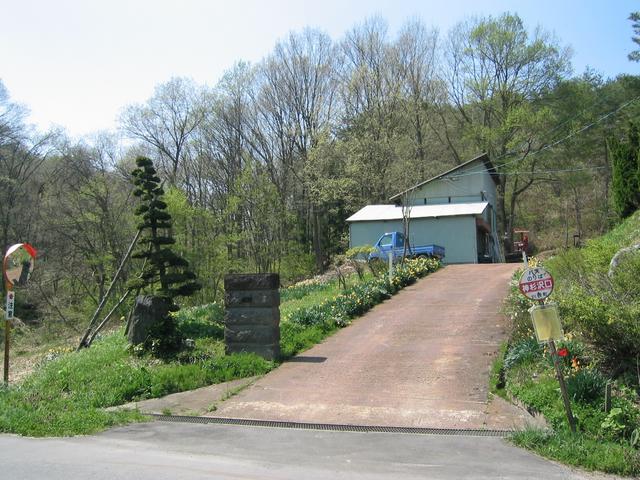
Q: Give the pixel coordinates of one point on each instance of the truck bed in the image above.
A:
(435, 251)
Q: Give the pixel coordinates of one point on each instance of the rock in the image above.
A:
(620, 256)
(251, 281)
(147, 311)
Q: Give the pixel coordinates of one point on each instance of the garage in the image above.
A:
(454, 209)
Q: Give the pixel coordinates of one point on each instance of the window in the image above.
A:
(400, 241)
(385, 241)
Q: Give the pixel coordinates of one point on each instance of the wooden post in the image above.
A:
(83, 342)
(7, 334)
(390, 266)
(563, 387)
(7, 343)
(607, 398)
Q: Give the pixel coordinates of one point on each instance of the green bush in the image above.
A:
(601, 316)
(296, 264)
(516, 308)
(360, 298)
(603, 310)
(586, 386)
(525, 350)
(202, 321)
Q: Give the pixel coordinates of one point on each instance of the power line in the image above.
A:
(553, 171)
(550, 145)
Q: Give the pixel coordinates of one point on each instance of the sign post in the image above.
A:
(537, 284)
(8, 317)
(17, 265)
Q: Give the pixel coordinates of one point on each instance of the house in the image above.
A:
(455, 209)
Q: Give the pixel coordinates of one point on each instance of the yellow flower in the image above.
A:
(575, 364)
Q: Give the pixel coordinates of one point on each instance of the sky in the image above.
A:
(77, 63)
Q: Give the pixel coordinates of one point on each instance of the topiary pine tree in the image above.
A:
(165, 274)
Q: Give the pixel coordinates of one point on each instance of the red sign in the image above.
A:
(536, 283)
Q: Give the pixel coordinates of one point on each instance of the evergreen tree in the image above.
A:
(165, 274)
(635, 18)
(625, 160)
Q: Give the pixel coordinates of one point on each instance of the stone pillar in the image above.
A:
(252, 318)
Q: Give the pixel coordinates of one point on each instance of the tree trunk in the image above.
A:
(317, 238)
(502, 218)
(578, 211)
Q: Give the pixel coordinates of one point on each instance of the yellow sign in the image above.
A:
(546, 322)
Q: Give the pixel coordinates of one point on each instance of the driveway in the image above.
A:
(420, 359)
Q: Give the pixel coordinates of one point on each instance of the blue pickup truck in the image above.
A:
(394, 242)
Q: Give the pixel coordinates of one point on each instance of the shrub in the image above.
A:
(358, 257)
(525, 350)
(202, 321)
(358, 299)
(603, 310)
(165, 274)
(516, 308)
(586, 386)
(296, 264)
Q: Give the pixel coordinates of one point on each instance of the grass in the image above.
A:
(67, 395)
(533, 382)
(68, 391)
(581, 451)
(313, 296)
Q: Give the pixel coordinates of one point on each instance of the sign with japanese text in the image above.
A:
(536, 283)
(11, 296)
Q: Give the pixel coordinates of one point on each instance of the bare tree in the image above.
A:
(371, 94)
(293, 104)
(166, 122)
(415, 54)
(22, 153)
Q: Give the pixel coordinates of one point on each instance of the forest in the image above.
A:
(261, 170)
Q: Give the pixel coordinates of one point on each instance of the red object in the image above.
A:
(536, 283)
(28, 248)
(563, 352)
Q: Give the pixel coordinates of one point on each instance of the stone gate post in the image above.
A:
(252, 317)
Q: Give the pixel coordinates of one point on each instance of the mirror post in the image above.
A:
(7, 335)
(25, 270)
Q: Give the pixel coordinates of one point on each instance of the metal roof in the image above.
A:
(392, 212)
(485, 160)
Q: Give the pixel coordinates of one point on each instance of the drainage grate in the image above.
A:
(333, 428)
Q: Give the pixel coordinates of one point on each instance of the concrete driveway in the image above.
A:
(420, 359)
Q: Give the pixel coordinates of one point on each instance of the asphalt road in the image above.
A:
(157, 451)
